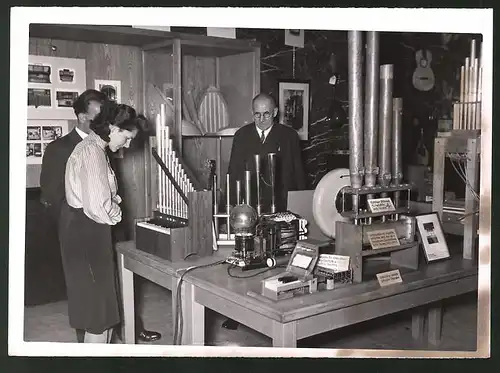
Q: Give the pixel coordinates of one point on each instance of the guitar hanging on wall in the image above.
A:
(423, 76)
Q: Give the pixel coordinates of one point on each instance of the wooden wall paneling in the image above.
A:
(198, 73)
(177, 79)
(237, 85)
(158, 70)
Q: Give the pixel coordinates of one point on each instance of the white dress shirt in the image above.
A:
(81, 133)
(266, 132)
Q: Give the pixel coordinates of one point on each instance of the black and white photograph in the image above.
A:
(111, 88)
(39, 97)
(51, 132)
(33, 150)
(33, 133)
(39, 73)
(294, 106)
(229, 157)
(66, 75)
(431, 232)
(66, 98)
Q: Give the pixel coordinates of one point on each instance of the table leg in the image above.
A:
(435, 318)
(193, 314)
(127, 293)
(417, 324)
(285, 335)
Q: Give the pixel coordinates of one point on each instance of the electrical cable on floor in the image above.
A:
(178, 307)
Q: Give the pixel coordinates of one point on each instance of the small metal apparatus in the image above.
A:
(298, 278)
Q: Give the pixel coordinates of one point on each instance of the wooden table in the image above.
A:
(292, 319)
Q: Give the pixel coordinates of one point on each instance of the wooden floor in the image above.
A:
(50, 323)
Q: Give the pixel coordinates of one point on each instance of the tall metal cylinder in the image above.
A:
(257, 179)
(371, 108)
(397, 156)
(355, 77)
(248, 193)
(238, 192)
(271, 160)
(385, 125)
(397, 127)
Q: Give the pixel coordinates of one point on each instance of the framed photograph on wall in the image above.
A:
(111, 88)
(432, 236)
(294, 106)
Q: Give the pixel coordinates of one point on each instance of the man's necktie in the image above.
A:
(262, 137)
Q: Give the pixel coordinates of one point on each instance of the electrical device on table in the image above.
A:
(260, 239)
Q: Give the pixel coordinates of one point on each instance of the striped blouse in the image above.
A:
(91, 183)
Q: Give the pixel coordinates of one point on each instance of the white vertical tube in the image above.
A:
(479, 97)
(466, 95)
(169, 185)
(462, 98)
(159, 172)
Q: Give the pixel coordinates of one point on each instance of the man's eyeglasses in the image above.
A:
(265, 115)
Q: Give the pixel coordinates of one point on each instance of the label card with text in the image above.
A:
(377, 205)
(389, 278)
(337, 263)
(383, 238)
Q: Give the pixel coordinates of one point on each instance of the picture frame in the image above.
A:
(294, 101)
(111, 88)
(434, 244)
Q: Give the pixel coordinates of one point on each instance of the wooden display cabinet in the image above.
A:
(183, 70)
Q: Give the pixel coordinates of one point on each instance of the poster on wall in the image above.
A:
(53, 85)
(294, 38)
(111, 88)
(294, 106)
(40, 133)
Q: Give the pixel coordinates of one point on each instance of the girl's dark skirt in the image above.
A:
(90, 271)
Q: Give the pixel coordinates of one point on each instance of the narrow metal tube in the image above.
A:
(238, 192)
(354, 55)
(271, 157)
(257, 178)
(385, 125)
(248, 193)
(397, 161)
(214, 193)
(371, 108)
(228, 206)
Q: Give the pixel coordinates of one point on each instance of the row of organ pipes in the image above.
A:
(170, 200)
(467, 111)
(375, 159)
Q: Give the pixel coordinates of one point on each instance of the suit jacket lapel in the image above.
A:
(74, 137)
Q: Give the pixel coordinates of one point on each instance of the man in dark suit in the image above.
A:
(264, 136)
(56, 155)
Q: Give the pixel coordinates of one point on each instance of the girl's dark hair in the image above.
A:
(123, 116)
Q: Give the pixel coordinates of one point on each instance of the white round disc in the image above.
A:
(324, 210)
